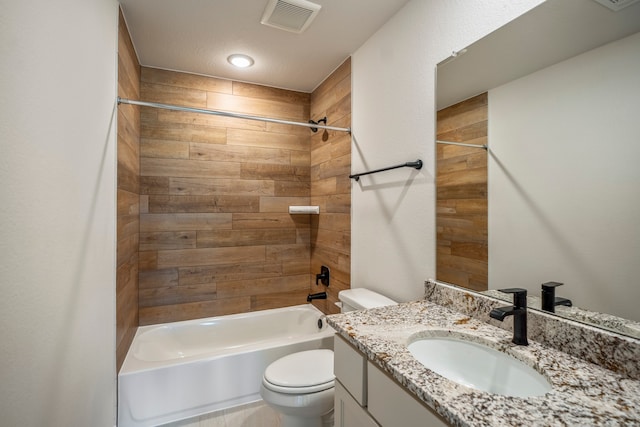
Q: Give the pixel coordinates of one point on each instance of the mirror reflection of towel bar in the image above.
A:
(462, 144)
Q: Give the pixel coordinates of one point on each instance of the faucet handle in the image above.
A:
(519, 296)
(550, 285)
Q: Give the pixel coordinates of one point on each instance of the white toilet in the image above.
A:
(300, 385)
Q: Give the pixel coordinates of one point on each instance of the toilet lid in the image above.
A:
(303, 372)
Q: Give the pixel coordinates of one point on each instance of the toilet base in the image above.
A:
(304, 410)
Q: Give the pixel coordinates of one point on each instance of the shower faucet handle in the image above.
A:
(323, 277)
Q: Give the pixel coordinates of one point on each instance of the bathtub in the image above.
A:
(179, 370)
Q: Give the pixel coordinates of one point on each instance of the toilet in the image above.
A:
(300, 386)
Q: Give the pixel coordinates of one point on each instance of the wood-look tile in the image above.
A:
(280, 253)
(167, 240)
(188, 168)
(185, 221)
(279, 299)
(210, 256)
(340, 222)
(292, 188)
(321, 154)
(269, 220)
(128, 202)
(144, 204)
(158, 296)
(128, 142)
(251, 138)
(323, 187)
(182, 132)
(172, 95)
(274, 172)
(281, 204)
(158, 278)
(203, 204)
(148, 260)
(340, 109)
(339, 203)
(229, 272)
(209, 121)
(295, 267)
(127, 225)
(127, 247)
(226, 153)
(341, 146)
(193, 310)
(300, 158)
(185, 80)
(256, 106)
(335, 240)
(154, 185)
(337, 166)
(222, 187)
(226, 238)
(463, 177)
(249, 90)
(263, 286)
(165, 149)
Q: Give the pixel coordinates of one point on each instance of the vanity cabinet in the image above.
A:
(365, 396)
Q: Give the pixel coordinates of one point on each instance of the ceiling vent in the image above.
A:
(616, 5)
(290, 15)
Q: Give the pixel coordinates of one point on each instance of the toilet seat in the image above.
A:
(300, 373)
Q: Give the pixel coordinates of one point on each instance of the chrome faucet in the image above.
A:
(519, 312)
(549, 298)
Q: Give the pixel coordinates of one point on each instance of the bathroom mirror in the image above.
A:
(563, 192)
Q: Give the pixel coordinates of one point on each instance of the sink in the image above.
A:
(479, 367)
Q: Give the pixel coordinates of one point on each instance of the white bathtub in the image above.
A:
(179, 370)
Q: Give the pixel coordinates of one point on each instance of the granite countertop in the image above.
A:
(584, 394)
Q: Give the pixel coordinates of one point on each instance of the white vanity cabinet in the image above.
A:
(367, 397)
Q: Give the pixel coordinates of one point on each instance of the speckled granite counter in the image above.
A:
(584, 394)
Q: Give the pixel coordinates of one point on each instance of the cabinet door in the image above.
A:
(347, 412)
(392, 406)
(350, 367)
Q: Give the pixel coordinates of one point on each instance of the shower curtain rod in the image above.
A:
(462, 144)
(227, 114)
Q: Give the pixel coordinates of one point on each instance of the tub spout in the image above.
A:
(319, 295)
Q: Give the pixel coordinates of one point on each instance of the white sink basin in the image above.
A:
(479, 367)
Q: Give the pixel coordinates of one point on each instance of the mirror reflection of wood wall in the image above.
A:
(461, 182)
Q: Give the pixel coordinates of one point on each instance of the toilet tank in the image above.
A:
(362, 298)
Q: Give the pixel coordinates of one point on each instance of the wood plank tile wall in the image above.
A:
(215, 234)
(127, 195)
(331, 186)
(461, 181)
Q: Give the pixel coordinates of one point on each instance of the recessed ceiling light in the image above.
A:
(240, 60)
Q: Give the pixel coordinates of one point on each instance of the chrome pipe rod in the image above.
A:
(227, 114)
(462, 144)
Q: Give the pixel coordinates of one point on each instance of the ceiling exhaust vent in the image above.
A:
(290, 15)
(616, 5)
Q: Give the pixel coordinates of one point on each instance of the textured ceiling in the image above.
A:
(197, 36)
